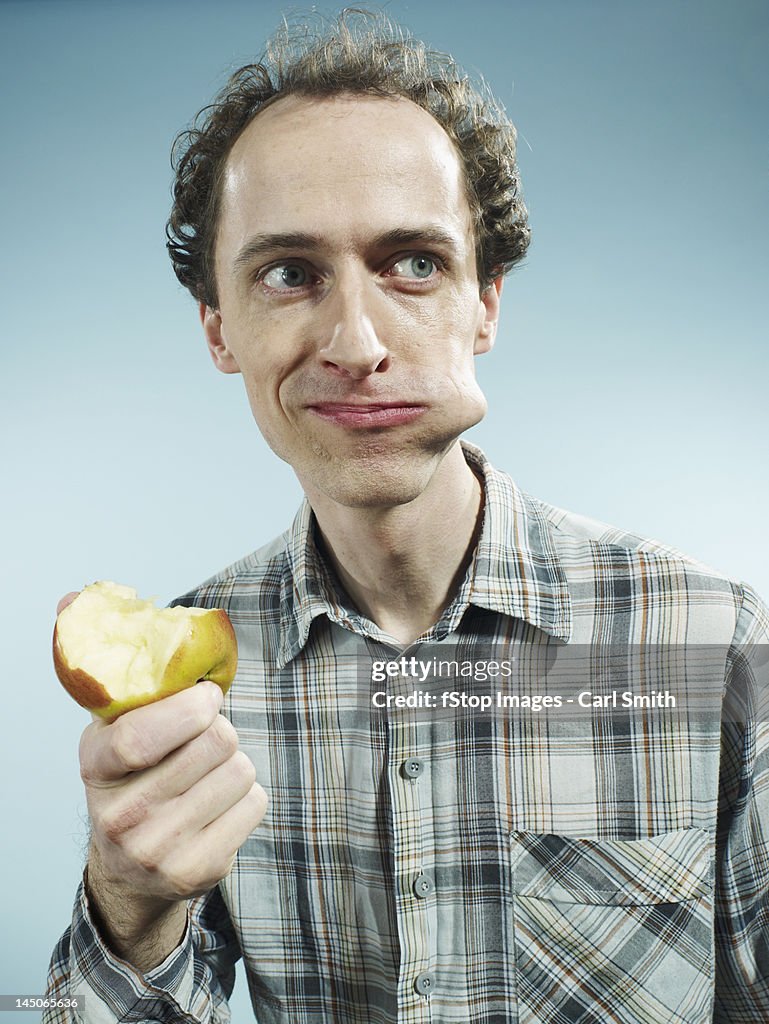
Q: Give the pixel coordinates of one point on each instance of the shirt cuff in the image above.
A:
(115, 991)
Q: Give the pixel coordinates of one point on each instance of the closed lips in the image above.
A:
(368, 414)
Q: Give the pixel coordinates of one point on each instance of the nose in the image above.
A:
(354, 347)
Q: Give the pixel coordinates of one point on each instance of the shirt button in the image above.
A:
(413, 768)
(423, 886)
(425, 983)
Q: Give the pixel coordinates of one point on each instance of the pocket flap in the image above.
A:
(666, 868)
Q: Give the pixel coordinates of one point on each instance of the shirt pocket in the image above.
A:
(613, 930)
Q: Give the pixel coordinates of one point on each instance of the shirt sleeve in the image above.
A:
(742, 838)
(191, 985)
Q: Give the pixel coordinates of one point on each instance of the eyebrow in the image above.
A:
(272, 242)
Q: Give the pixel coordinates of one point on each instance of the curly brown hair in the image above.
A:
(363, 52)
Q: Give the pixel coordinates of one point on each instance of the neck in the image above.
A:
(402, 565)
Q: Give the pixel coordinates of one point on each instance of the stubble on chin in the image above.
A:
(376, 475)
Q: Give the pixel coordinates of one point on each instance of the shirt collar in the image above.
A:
(515, 569)
(306, 587)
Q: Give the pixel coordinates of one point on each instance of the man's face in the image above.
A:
(348, 293)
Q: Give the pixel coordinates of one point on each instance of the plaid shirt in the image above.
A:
(481, 869)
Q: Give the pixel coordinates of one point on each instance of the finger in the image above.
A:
(67, 599)
(211, 797)
(183, 768)
(211, 857)
(141, 738)
(230, 830)
(128, 816)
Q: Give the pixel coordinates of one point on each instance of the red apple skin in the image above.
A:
(210, 651)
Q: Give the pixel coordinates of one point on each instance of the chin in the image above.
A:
(372, 494)
(374, 486)
(381, 479)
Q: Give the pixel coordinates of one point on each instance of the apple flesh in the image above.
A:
(114, 652)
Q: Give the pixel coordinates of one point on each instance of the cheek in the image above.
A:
(265, 384)
(262, 357)
(441, 333)
(453, 342)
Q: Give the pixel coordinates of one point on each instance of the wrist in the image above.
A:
(140, 929)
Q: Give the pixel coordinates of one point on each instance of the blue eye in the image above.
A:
(417, 267)
(285, 276)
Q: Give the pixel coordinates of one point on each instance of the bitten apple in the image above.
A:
(114, 652)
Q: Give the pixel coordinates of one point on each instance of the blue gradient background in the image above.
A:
(628, 381)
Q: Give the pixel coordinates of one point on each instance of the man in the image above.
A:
(344, 217)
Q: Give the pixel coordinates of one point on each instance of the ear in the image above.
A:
(487, 330)
(223, 359)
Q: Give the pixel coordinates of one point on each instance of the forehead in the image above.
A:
(342, 165)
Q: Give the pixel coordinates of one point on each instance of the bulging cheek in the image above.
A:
(467, 391)
(459, 400)
(472, 402)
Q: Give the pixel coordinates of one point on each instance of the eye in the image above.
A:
(285, 276)
(418, 267)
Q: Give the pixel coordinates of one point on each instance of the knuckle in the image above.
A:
(180, 885)
(223, 864)
(129, 745)
(108, 825)
(192, 878)
(92, 753)
(117, 818)
(146, 855)
(89, 771)
(259, 802)
(243, 768)
(102, 825)
(223, 736)
(199, 714)
(261, 796)
(200, 720)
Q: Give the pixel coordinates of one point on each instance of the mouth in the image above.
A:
(369, 415)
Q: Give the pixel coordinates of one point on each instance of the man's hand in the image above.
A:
(170, 796)
(171, 799)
